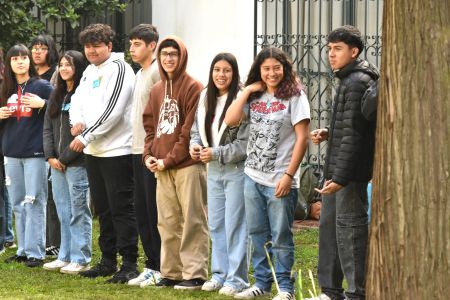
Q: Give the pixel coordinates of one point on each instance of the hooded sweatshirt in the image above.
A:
(170, 112)
(102, 102)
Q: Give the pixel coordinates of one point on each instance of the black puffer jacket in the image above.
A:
(351, 138)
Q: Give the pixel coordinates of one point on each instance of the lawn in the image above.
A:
(19, 282)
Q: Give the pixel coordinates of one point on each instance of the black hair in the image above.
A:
(349, 35)
(9, 79)
(168, 43)
(212, 92)
(52, 54)
(146, 32)
(97, 33)
(289, 85)
(78, 63)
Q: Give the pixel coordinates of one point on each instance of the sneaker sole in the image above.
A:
(190, 288)
(72, 272)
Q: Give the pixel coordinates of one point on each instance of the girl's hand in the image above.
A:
(258, 86)
(77, 129)
(206, 155)
(283, 186)
(5, 113)
(56, 164)
(194, 151)
(32, 101)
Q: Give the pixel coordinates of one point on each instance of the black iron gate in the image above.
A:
(300, 28)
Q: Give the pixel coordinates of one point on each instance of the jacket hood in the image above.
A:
(359, 65)
(182, 59)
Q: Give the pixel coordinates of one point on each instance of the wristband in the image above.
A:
(292, 177)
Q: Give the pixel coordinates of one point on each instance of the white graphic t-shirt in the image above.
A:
(272, 137)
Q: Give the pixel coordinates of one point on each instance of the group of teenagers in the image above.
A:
(179, 165)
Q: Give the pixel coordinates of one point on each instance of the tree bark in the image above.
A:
(409, 246)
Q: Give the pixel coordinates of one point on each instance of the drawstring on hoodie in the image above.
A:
(165, 89)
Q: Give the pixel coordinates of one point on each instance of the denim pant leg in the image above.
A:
(329, 272)
(81, 221)
(61, 198)
(352, 235)
(216, 222)
(281, 218)
(9, 232)
(15, 183)
(259, 231)
(2, 212)
(235, 227)
(36, 188)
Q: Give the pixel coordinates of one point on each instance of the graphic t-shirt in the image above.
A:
(272, 137)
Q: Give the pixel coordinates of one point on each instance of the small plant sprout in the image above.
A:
(271, 265)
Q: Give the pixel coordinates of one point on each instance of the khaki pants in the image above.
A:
(182, 222)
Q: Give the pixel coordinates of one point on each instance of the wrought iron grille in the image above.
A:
(300, 28)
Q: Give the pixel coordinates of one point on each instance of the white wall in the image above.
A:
(208, 27)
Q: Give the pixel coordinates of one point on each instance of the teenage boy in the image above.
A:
(348, 168)
(143, 40)
(181, 188)
(100, 116)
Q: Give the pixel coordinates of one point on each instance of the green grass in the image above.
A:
(19, 282)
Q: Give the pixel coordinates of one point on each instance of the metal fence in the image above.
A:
(300, 28)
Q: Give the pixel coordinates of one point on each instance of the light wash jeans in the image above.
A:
(270, 219)
(227, 225)
(26, 180)
(70, 190)
(9, 232)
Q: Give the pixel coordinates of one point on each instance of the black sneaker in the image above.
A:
(191, 284)
(125, 274)
(34, 262)
(16, 258)
(103, 268)
(52, 251)
(166, 282)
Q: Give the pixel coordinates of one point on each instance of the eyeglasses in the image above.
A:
(42, 49)
(173, 54)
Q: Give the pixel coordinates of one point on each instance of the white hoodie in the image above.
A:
(102, 102)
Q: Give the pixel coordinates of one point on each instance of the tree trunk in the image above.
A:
(409, 247)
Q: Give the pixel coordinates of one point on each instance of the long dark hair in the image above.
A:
(9, 78)
(289, 86)
(212, 92)
(78, 63)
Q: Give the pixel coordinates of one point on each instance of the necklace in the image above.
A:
(22, 87)
(269, 100)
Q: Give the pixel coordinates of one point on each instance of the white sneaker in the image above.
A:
(74, 268)
(146, 274)
(153, 278)
(228, 291)
(55, 265)
(284, 296)
(251, 293)
(320, 297)
(211, 285)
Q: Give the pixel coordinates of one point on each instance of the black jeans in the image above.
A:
(146, 212)
(343, 235)
(111, 184)
(53, 227)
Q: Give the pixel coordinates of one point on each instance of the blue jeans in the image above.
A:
(270, 219)
(9, 232)
(70, 190)
(343, 235)
(2, 212)
(27, 189)
(227, 226)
